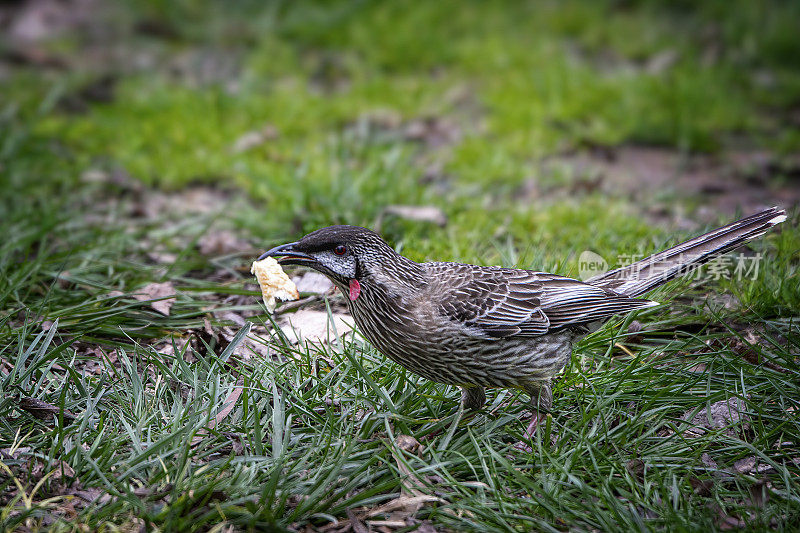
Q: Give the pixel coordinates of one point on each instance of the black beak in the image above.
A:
(288, 255)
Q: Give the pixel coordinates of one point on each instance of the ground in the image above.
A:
(149, 151)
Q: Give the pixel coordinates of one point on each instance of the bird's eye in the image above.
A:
(340, 250)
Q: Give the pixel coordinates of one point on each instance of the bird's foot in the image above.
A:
(537, 419)
(462, 415)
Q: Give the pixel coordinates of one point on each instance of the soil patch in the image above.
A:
(741, 181)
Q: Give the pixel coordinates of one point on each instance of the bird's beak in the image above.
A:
(288, 255)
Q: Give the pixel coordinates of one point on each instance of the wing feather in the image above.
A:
(499, 302)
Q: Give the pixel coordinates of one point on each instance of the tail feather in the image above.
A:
(650, 272)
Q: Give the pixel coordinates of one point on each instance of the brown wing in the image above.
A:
(502, 302)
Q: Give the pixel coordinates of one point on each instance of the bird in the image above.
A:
(478, 327)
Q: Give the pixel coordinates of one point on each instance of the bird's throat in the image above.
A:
(355, 289)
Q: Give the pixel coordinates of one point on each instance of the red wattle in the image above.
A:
(355, 289)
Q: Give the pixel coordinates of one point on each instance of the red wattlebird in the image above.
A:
(476, 326)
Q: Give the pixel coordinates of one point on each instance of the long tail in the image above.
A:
(650, 272)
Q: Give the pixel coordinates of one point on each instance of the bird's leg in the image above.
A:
(541, 401)
(473, 397)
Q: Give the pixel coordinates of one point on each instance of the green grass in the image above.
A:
(313, 433)
(517, 82)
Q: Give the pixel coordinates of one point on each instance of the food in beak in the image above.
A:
(274, 282)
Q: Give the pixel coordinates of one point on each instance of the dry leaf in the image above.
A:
(313, 283)
(661, 61)
(14, 453)
(355, 522)
(230, 316)
(421, 527)
(433, 131)
(746, 465)
(135, 524)
(198, 199)
(708, 461)
(162, 258)
(410, 482)
(387, 525)
(221, 242)
(251, 139)
(701, 487)
(63, 279)
(726, 522)
(43, 410)
(409, 444)
(315, 326)
(229, 404)
(729, 415)
(636, 468)
(406, 504)
(160, 293)
(42, 20)
(759, 493)
(633, 329)
(413, 489)
(61, 470)
(418, 213)
(399, 512)
(255, 344)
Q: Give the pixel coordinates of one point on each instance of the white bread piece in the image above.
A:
(274, 282)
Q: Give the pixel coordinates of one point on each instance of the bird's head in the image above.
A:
(346, 254)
